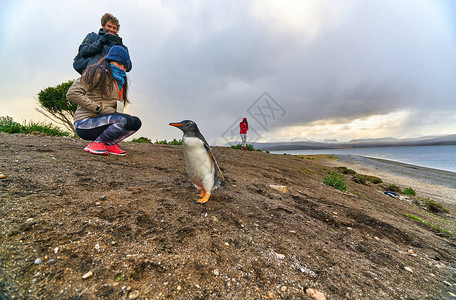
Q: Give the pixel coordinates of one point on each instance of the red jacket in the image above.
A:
(244, 127)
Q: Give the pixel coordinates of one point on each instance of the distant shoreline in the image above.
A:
(449, 140)
(344, 146)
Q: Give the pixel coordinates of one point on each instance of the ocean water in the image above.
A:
(436, 157)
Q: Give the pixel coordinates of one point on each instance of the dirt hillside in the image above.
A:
(79, 226)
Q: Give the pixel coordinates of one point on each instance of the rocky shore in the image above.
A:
(437, 184)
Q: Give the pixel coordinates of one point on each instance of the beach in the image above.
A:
(438, 185)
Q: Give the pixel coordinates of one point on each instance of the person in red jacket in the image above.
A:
(244, 126)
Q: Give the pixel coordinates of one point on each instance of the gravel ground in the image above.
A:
(79, 226)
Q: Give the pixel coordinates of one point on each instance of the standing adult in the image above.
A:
(244, 126)
(96, 45)
(98, 93)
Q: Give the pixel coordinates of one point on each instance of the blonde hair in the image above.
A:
(108, 17)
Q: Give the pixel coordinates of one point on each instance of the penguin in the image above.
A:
(202, 167)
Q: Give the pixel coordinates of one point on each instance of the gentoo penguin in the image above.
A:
(199, 159)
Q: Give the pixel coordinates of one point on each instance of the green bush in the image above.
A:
(142, 140)
(55, 105)
(336, 180)
(409, 192)
(9, 126)
(249, 147)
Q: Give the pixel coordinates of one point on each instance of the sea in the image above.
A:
(435, 157)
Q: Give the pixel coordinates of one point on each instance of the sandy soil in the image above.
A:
(80, 226)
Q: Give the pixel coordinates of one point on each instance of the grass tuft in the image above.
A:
(373, 179)
(409, 192)
(427, 223)
(392, 187)
(165, 142)
(336, 180)
(434, 206)
(347, 171)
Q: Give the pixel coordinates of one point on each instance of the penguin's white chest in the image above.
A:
(199, 163)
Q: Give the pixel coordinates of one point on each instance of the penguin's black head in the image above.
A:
(187, 126)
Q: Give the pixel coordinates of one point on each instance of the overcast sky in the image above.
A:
(305, 69)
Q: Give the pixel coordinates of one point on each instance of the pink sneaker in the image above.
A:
(114, 149)
(97, 148)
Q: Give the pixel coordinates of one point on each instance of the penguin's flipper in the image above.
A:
(208, 148)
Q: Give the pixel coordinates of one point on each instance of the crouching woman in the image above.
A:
(101, 93)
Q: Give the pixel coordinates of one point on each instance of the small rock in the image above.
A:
(38, 261)
(97, 247)
(102, 197)
(87, 275)
(451, 294)
(446, 283)
(179, 288)
(376, 238)
(283, 289)
(51, 261)
(56, 249)
(134, 295)
(279, 256)
(3, 176)
(272, 295)
(408, 269)
(317, 295)
(280, 188)
(216, 272)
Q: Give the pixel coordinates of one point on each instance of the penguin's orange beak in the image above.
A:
(175, 124)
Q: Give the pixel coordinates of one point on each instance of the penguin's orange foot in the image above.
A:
(204, 199)
(202, 194)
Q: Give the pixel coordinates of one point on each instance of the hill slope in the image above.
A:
(131, 222)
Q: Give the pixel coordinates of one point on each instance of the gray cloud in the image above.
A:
(210, 61)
